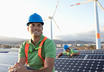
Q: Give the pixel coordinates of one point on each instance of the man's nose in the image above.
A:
(36, 28)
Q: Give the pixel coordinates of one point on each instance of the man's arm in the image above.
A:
(48, 66)
(22, 60)
(75, 54)
(60, 54)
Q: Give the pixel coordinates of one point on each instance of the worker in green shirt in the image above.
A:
(68, 51)
(37, 54)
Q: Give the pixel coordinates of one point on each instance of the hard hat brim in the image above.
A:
(35, 22)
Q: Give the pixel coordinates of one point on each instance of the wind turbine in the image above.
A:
(98, 40)
(52, 19)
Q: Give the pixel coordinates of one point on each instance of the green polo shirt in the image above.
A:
(34, 61)
(70, 52)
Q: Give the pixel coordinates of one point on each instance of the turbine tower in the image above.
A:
(52, 19)
(96, 2)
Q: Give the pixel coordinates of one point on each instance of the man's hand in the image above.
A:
(18, 68)
(21, 68)
(12, 68)
(60, 54)
(71, 54)
(57, 57)
(17, 65)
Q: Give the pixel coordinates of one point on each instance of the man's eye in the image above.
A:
(33, 25)
(39, 25)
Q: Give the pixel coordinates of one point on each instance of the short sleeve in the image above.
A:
(64, 53)
(22, 50)
(75, 51)
(50, 50)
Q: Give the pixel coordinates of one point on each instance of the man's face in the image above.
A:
(67, 50)
(35, 29)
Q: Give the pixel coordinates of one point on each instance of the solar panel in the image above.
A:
(95, 57)
(67, 65)
(78, 56)
(91, 51)
(84, 57)
(87, 61)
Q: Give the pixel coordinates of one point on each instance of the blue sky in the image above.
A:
(71, 20)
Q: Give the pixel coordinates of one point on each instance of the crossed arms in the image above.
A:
(19, 67)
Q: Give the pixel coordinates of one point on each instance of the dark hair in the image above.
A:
(34, 22)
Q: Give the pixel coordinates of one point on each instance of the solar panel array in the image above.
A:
(92, 51)
(66, 65)
(87, 61)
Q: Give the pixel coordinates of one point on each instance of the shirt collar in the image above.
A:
(41, 38)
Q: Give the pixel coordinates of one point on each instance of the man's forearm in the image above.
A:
(48, 66)
(59, 55)
(22, 60)
(41, 70)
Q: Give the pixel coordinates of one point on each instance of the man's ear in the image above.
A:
(42, 27)
(27, 28)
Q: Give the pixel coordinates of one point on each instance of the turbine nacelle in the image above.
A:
(50, 17)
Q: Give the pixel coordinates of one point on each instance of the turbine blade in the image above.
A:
(45, 19)
(83, 2)
(56, 24)
(100, 5)
(55, 8)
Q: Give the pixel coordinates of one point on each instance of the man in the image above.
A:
(37, 54)
(68, 51)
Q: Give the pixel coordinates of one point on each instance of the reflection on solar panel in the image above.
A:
(87, 61)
